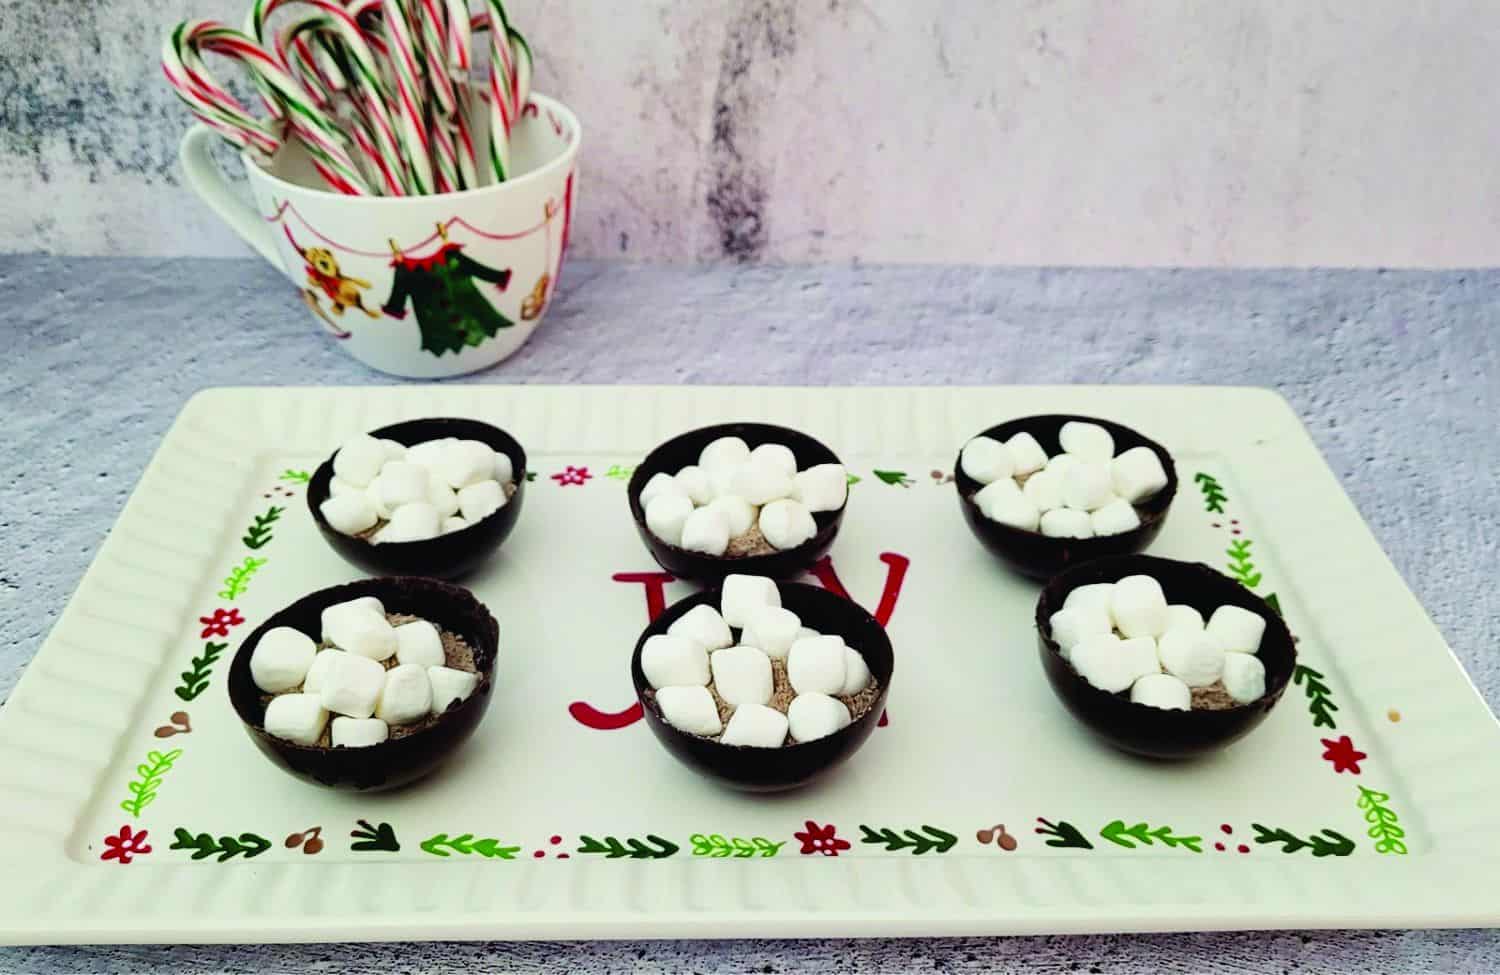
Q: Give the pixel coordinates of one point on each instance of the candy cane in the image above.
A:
(410, 97)
(502, 91)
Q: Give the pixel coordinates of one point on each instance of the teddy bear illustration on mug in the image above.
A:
(323, 274)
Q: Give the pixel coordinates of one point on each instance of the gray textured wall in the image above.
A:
(1166, 132)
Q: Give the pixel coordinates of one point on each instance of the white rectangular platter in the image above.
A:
(1367, 799)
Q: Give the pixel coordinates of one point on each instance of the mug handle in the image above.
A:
(208, 182)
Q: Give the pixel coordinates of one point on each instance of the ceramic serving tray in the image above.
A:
(136, 808)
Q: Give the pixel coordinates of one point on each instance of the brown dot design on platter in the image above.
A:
(179, 725)
(279, 491)
(311, 841)
(554, 841)
(1222, 848)
(998, 836)
(1393, 715)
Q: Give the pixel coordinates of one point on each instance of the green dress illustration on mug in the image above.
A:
(445, 298)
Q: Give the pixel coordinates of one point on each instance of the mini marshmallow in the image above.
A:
(1191, 656)
(393, 450)
(443, 498)
(1072, 625)
(338, 486)
(704, 626)
(1027, 454)
(824, 487)
(1067, 523)
(743, 594)
(666, 514)
(742, 675)
(1060, 464)
(761, 483)
(455, 523)
(481, 499)
(1044, 488)
(816, 665)
(328, 618)
(755, 726)
(773, 630)
(349, 514)
(352, 686)
(1180, 617)
(856, 672)
(407, 695)
(1244, 677)
(740, 513)
(372, 496)
(674, 661)
(1137, 474)
(721, 480)
(465, 462)
(814, 716)
(787, 524)
(1162, 691)
(419, 642)
(706, 530)
(413, 522)
(690, 709)
(313, 682)
(296, 717)
(450, 685)
(725, 452)
(1114, 518)
(357, 628)
(1095, 596)
(359, 460)
(1087, 486)
(986, 460)
(1099, 661)
(400, 482)
(429, 453)
(281, 659)
(504, 471)
(1140, 654)
(658, 485)
(694, 483)
(1236, 630)
(807, 631)
(1087, 441)
(777, 455)
(358, 732)
(1138, 607)
(1002, 501)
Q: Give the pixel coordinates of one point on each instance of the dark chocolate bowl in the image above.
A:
(1030, 552)
(776, 769)
(447, 556)
(681, 451)
(398, 761)
(1155, 732)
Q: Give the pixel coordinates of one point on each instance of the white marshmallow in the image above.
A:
(504, 471)
(1244, 677)
(313, 682)
(281, 659)
(349, 514)
(1236, 630)
(986, 460)
(755, 726)
(358, 732)
(726, 452)
(1096, 596)
(450, 685)
(666, 515)
(660, 484)
(1087, 441)
(814, 716)
(443, 498)
(777, 455)
(481, 499)
(359, 460)
(413, 522)
(1137, 474)
(454, 523)
(737, 511)
(357, 628)
(1099, 661)
(1071, 626)
(1027, 454)
(400, 482)
(1114, 518)
(856, 672)
(429, 453)
(773, 630)
(1067, 523)
(694, 483)
(721, 480)
(690, 709)
(817, 665)
(706, 530)
(674, 661)
(393, 449)
(1060, 464)
(1004, 502)
(704, 626)
(1141, 655)
(787, 524)
(337, 486)
(742, 675)
(760, 483)
(1087, 486)
(743, 594)
(1191, 656)
(1180, 617)
(807, 631)
(1162, 691)
(419, 642)
(824, 487)
(296, 717)
(465, 462)
(369, 604)
(1044, 488)
(1138, 607)
(372, 497)
(407, 695)
(352, 686)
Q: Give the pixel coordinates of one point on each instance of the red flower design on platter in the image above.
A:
(125, 844)
(572, 475)
(219, 623)
(821, 839)
(1342, 753)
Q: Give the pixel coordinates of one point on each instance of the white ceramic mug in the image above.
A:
(422, 286)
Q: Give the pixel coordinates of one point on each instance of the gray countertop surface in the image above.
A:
(1395, 373)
